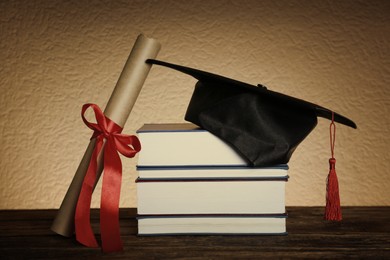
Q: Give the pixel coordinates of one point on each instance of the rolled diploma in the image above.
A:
(118, 110)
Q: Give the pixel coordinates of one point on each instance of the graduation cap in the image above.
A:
(263, 126)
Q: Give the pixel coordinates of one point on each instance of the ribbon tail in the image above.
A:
(84, 233)
(109, 207)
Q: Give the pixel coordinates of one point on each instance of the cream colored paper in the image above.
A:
(118, 109)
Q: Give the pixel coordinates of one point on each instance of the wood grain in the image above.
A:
(363, 233)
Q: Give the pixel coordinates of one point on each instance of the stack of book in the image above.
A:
(191, 182)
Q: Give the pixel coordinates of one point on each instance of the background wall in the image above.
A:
(57, 55)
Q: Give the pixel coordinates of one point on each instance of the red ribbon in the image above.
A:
(104, 129)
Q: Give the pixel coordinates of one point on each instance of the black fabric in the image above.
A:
(265, 127)
(250, 123)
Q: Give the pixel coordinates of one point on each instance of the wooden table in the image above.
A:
(364, 233)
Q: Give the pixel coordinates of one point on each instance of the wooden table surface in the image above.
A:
(363, 233)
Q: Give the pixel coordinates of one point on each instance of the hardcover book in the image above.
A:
(213, 224)
(184, 145)
(211, 196)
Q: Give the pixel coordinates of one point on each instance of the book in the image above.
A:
(213, 224)
(184, 145)
(205, 172)
(211, 196)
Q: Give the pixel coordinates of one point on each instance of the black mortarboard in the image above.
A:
(264, 126)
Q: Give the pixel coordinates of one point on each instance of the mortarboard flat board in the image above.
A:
(264, 126)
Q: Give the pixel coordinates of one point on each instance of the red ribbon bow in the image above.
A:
(109, 203)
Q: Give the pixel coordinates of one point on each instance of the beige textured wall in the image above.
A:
(57, 55)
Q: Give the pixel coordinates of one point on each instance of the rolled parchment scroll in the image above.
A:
(118, 109)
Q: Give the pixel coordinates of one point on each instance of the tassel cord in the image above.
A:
(333, 208)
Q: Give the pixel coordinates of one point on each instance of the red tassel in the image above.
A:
(333, 209)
